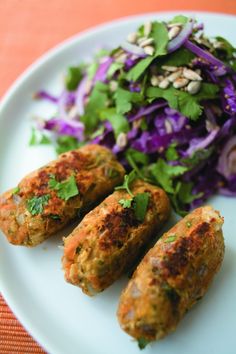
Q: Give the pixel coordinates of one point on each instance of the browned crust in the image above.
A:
(173, 276)
(90, 166)
(109, 239)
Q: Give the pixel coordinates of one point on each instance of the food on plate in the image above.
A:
(48, 198)
(110, 238)
(172, 276)
(164, 101)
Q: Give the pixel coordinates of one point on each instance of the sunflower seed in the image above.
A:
(177, 24)
(155, 80)
(180, 82)
(132, 37)
(121, 58)
(193, 87)
(141, 39)
(173, 32)
(174, 76)
(169, 68)
(146, 42)
(149, 50)
(164, 84)
(113, 85)
(122, 140)
(191, 75)
(147, 28)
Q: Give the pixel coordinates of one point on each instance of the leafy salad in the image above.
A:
(164, 102)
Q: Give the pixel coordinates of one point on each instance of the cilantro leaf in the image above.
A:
(91, 70)
(128, 180)
(171, 238)
(180, 57)
(66, 189)
(185, 194)
(137, 156)
(138, 69)
(171, 153)
(164, 174)
(179, 19)
(119, 123)
(37, 138)
(66, 143)
(185, 103)
(97, 102)
(124, 100)
(15, 190)
(142, 343)
(226, 46)
(35, 205)
(160, 35)
(140, 205)
(73, 77)
(126, 203)
(115, 66)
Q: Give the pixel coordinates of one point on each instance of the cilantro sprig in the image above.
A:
(35, 205)
(138, 202)
(65, 189)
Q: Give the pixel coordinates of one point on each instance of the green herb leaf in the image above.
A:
(135, 73)
(36, 205)
(179, 19)
(142, 343)
(119, 123)
(114, 67)
(185, 194)
(38, 138)
(126, 203)
(171, 153)
(171, 238)
(137, 156)
(73, 77)
(15, 190)
(226, 46)
(112, 173)
(140, 205)
(66, 143)
(97, 102)
(164, 174)
(180, 57)
(160, 35)
(91, 70)
(66, 189)
(128, 180)
(185, 103)
(188, 224)
(54, 216)
(124, 100)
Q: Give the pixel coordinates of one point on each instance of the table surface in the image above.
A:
(28, 28)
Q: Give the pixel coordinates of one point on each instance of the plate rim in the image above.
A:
(24, 76)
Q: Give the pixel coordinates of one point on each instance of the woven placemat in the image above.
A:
(13, 337)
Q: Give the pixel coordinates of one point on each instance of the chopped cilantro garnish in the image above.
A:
(128, 179)
(54, 216)
(140, 205)
(142, 343)
(179, 19)
(35, 205)
(65, 189)
(138, 69)
(15, 190)
(126, 203)
(171, 153)
(188, 224)
(171, 238)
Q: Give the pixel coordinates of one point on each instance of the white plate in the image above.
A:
(58, 315)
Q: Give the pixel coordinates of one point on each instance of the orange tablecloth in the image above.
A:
(28, 28)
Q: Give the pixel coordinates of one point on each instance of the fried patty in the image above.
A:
(50, 197)
(173, 276)
(110, 238)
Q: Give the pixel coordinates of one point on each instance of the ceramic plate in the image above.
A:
(59, 316)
